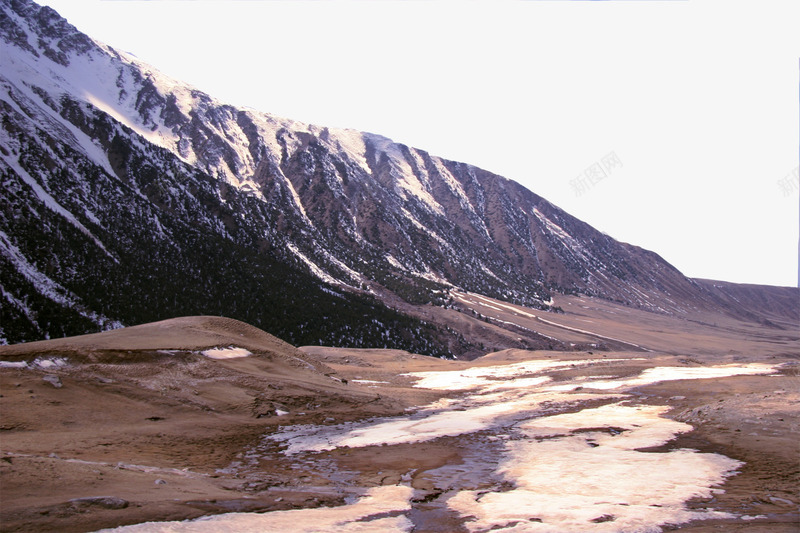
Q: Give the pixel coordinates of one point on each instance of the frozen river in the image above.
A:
(566, 455)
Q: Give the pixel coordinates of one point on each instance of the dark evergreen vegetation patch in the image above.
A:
(171, 246)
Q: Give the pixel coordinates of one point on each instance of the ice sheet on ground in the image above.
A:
(656, 374)
(13, 364)
(441, 419)
(477, 377)
(570, 471)
(360, 517)
(39, 362)
(53, 362)
(226, 353)
(501, 400)
(580, 472)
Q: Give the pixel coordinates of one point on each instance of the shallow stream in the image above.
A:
(535, 454)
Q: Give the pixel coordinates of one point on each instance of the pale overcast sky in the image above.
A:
(697, 101)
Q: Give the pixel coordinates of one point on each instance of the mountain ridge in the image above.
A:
(361, 215)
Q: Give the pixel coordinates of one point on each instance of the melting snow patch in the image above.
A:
(39, 362)
(372, 513)
(496, 407)
(226, 353)
(478, 377)
(657, 374)
(569, 471)
(581, 472)
(55, 362)
(13, 364)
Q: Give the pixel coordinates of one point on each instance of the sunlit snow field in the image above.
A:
(567, 464)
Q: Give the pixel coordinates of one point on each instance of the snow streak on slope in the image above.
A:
(49, 288)
(51, 203)
(315, 269)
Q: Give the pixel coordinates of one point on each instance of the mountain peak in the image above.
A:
(41, 30)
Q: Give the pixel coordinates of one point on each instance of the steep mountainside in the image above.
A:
(99, 227)
(128, 197)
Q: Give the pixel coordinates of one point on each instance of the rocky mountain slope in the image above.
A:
(129, 197)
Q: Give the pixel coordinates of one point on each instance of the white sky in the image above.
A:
(697, 99)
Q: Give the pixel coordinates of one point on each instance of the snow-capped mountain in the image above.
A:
(129, 197)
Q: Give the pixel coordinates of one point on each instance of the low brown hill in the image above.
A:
(141, 417)
(163, 364)
(188, 334)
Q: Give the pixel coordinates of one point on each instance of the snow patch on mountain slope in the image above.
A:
(571, 244)
(18, 94)
(183, 92)
(457, 189)
(394, 262)
(120, 96)
(52, 204)
(297, 201)
(225, 126)
(267, 127)
(486, 269)
(354, 276)
(315, 269)
(18, 304)
(552, 227)
(424, 229)
(407, 182)
(118, 99)
(46, 286)
(351, 143)
(84, 76)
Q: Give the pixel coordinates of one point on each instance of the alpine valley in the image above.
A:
(179, 238)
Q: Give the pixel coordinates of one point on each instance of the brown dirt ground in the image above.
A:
(158, 432)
